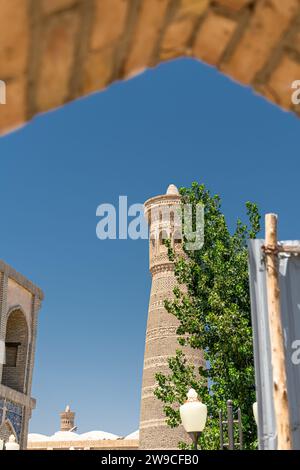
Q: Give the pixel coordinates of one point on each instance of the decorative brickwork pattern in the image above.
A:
(53, 51)
(67, 419)
(11, 416)
(161, 338)
(6, 430)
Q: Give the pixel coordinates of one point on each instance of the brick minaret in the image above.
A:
(161, 339)
(67, 419)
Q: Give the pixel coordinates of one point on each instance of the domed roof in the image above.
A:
(172, 190)
(35, 437)
(98, 435)
(133, 435)
(73, 436)
(64, 436)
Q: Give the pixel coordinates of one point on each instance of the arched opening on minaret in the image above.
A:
(16, 349)
(177, 237)
(163, 236)
(152, 245)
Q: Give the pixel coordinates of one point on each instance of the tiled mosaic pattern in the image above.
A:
(14, 413)
(1, 409)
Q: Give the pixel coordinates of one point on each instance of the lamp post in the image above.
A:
(193, 416)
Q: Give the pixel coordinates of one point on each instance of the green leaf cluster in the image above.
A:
(213, 309)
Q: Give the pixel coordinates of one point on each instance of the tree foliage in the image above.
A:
(214, 316)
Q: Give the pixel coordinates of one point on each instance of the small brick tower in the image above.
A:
(67, 419)
(161, 339)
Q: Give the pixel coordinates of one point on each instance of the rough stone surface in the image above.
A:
(279, 84)
(213, 37)
(52, 51)
(109, 22)
(13, 113)
(266, 27)
(57, 58)
(178, 34)
(97, 70)
(235, 5)
(14, 38)
(149, 25)
(53, 6)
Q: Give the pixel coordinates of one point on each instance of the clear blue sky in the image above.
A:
(178, 123)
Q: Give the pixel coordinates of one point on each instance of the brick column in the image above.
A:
(3, 310)
(161, 338)
(36, 305)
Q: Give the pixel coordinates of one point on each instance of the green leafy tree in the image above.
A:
(214, 316)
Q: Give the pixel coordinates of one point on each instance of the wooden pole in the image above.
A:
(276, 335)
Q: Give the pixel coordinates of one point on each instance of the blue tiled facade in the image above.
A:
(1, 409)
(12, 412)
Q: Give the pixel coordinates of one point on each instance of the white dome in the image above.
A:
(35, 437)
(98, 435)
(133, 435)
(73, 436)
(173, 190)
(64, 436)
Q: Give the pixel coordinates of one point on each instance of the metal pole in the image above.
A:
(280, 394)
(195, 436)
(240, 429)
(195, 441)
(221, 430)
(230, 425)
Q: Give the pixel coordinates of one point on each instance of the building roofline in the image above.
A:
(21, 279)
(17, 397)
(165, 197)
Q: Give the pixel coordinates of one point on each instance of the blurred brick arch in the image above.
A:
(53, 51)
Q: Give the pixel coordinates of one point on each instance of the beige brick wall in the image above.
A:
(20, 302)
(18, 295)
(52, 51)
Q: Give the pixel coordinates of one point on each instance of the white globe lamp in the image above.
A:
(193, 416)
